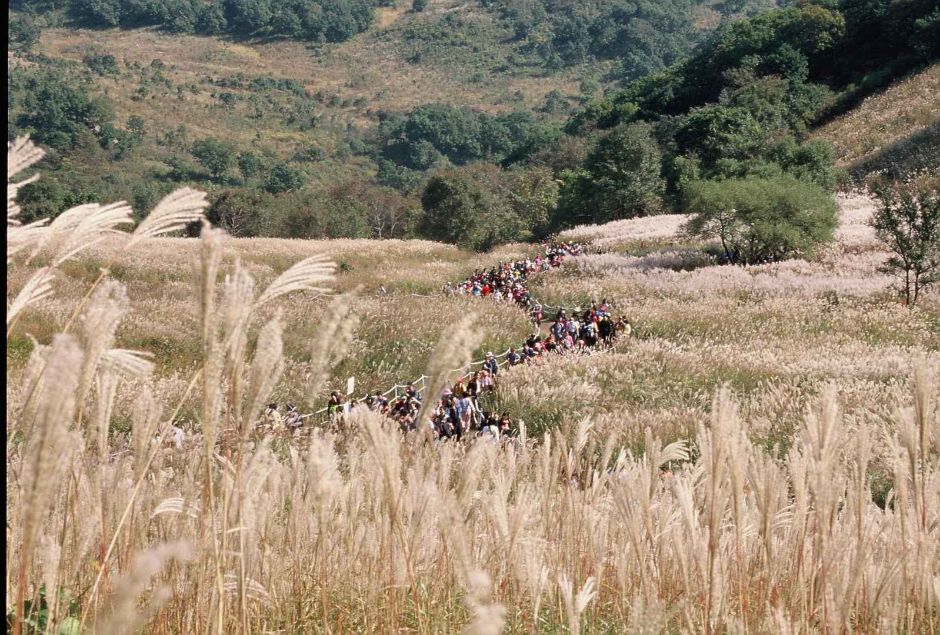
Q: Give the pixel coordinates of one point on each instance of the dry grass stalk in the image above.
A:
(644, 518)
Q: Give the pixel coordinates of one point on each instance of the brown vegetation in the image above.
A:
(699, 522)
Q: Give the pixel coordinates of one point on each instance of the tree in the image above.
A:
(419, 5)
(761, 220)
(248, 16)
(466, 206)
(720, 132)
(908, 222)
(214, 155)
(23, 32)
(250, 164)
(284, 178)
(621, 179)
(533, 196)
(432, 130)
(238, 212)
(58, 112)
(388, 213)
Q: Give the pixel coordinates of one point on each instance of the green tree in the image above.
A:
(419, 5)
(908, 222)
(239, 212)
(100, 12)
(250, 164)
(719, 132)
(316, 215)
(59, 112)
(621, 179)
(533, 196)
(284, 178)
(465, 206)
(214, 155)
(23, 31)
(761, 220)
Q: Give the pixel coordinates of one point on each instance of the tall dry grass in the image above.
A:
(365, 531)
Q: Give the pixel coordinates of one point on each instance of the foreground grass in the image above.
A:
(636, 498)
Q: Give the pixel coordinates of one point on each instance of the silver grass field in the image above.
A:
(763, 457)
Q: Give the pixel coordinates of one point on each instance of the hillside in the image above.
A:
(801, 387)
(280, 121)
(647, 366)
(897, 129)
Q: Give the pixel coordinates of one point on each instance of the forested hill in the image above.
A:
(642, 35)
(469, 122)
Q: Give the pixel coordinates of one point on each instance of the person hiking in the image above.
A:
(605, 328)
(473, 386)
(453, 417)
(505, 424)
(335, 405)
(271, 418)
(491, 365)
(293, 421)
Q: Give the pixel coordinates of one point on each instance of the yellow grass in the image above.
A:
(640, 495)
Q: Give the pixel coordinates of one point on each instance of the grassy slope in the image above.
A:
(396, 333)
(898, 126)
(347, 85)
(776, 333)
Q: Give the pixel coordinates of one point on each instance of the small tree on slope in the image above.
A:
(908, 222)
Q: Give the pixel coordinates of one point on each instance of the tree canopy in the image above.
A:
(761, 220)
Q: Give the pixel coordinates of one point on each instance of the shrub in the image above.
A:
(214, 155)
(908, 222)
(101, 63)
(621, 179)
(761, 220)
(284, 178)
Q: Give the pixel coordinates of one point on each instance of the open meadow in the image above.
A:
(762, 455)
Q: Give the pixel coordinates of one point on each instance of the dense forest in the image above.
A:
(690, 105)
(313, 20)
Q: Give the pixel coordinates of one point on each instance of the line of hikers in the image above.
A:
(507, 280)
(457, 412)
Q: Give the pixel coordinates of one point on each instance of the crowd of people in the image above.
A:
(506, 282)
(457, 412)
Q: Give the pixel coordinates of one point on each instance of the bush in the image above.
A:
(284, 178)
(214, 155)
(101, 63)
(621, 179)
(465, 206)
(761, 220)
